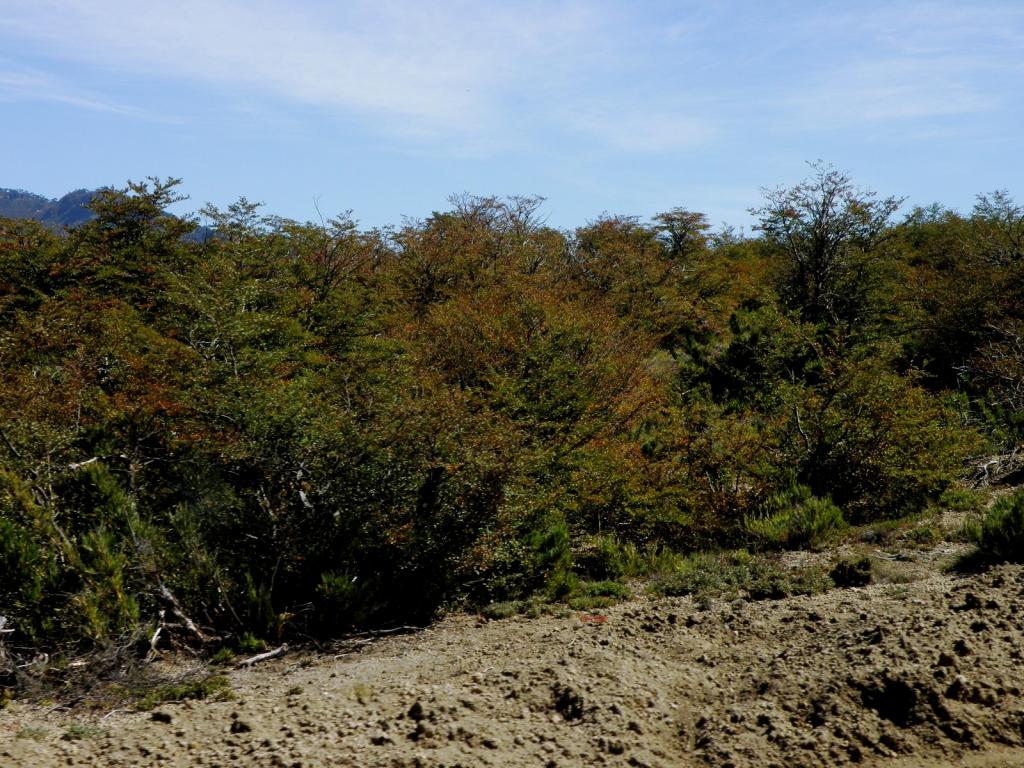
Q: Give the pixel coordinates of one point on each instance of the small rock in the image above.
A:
(160, 717)
(240, 726)
(958, 688)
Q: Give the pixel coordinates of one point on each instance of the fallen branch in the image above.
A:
(280, 651)
(403, 630)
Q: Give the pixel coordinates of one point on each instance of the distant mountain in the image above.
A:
(68, 211)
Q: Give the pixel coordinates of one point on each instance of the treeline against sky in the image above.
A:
(308, 427)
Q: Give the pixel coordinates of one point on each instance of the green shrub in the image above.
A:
(214, 687)
(806, 520)
(962, 500)
(606, 588)
(250, 643)
(877, 443)
(31, 732)
(531, 608)
(852, 572)
(223, 656)
(1001, 537)
(653, 559)
(596, 594)
(25, 573)
(739, 574)
(601, 557)
(552, 558)
(342, 600)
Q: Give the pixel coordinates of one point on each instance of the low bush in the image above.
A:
(736, 574)
(796, 519)
(962, 500)
(601, 557)
(1001, 534)
(852, 572)
(596, 594)
(214, 687)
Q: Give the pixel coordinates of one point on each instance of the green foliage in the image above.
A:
(307, 428)
(1001, 534)
(875, 442)
(552, 557)
(795, 519)
(25, 571)
(250, 643)
(82, 731)
(223, 656)
(962, 500)
(31, 732)
(343, 599)
(214, 688)
(734, 574)
(831, 233)
(600, 558)
(530, 608)
(588, 595)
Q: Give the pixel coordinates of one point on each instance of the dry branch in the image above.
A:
(186, 622)
(279, 651)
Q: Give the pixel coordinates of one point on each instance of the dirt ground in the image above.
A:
(923, 673)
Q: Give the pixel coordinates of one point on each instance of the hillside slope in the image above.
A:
(926, 673)
(66, 211)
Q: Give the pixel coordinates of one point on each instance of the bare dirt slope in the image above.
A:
(928, 673)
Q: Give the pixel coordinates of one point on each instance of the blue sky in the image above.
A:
(388, 107)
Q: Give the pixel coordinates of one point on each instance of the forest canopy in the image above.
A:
(292, 427)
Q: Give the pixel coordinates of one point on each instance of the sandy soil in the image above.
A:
(927, 673)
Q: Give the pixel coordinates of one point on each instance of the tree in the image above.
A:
(684, 233)
(830, 231)
(999, 222)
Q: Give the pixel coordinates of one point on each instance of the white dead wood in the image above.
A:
(75, 466)
(279, 651)
(176, 609)
(155, 638)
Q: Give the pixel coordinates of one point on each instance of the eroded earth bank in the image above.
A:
(919, 674)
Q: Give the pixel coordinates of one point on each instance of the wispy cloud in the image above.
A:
(481, 78)
(888, 91)
(632, 129)
(24, 85)
(909, 61)
(461, 69)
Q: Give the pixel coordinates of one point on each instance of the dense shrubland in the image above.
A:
(289, 428)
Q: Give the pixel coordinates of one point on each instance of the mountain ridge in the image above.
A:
(66, 211)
